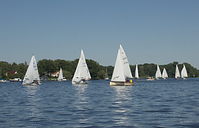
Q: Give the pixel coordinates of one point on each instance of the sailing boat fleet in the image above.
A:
(164, 74)
(183, 75)
(158, 74)
(121, 76)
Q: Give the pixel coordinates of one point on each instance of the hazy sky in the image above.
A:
(150, 31)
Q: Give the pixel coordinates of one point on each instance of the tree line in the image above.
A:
(46, 67)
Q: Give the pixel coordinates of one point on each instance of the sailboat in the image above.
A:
(158, 73)
(136, 72)
(82, 74)
(61, 77)
(32, 75)
(106, 75)
(177, 73)
(164, 74)
(184, 72)
(121, 74)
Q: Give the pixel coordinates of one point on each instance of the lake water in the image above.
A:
(148, 104)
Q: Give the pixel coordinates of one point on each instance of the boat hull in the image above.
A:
(80, 82)
(35, 83)
(112, 83)
(62, 80)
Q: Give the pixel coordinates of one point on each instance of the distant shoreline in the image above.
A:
(48, 67)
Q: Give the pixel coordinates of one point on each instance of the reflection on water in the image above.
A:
(33, 100)
(120, 104)
(80, 88)
(31, 90)
(81, 104)
(122, 92)
(167, 103)
(81, 99)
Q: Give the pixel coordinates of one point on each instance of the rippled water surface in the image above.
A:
(148, 104)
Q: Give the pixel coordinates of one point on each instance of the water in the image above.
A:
(148, 104)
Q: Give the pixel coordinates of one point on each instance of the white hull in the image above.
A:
(150, 78)
(3, 81)
(62, 80)
(80, 82)
(180, 78)
(112, 83)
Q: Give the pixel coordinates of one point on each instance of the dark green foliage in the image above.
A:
(110, 71)
(97, 71)
(8, 71)
(46, 67)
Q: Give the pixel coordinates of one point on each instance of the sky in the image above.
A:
(150, 31)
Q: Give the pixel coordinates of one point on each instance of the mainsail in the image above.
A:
(184, 72)
(81, 72)
(60, 77)
(158, 73)
(32, 73)
(177, 73)
(127, 70)
(136, 72)
(164, 74)
(121, 70)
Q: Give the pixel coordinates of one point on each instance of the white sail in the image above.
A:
(164, 74)
(177, 73)
(106, 75)
(158, 73)
(32, 73)
(60, 77)
(81, 72)
(121, 70)
(184, 72)
(136, 72)
(118, 72)
(127, 70)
